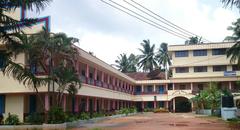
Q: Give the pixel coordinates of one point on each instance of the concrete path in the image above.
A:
(159, 121)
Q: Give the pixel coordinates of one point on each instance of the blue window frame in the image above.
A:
(199, 52)
(221, 51)
(181, 54)
(2, 104)
(161, 89)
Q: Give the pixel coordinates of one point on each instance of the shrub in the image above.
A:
(148, 110)
(12, 119)
(1, 119)
(84, 116)
(98, 114)
(35, 118)
(69, 117)
(160, 110)
(56, 115)
(133, 110)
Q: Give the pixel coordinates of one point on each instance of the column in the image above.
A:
(113, 104)
(87, 104)
(46, 102)
(121, 104)
(87, 72)
(95, 76)
(117, 87)
(192, 105)
(102, 78)
(142, 89)
(230, 85)
(64, 103)
(174, 105)
(142, 105)
(167, 105)
(76, 105)
(154, 88)
(191, 86)
(95, 104)
(108, 79)
(155, 104)
(173, 85)
(113, 83)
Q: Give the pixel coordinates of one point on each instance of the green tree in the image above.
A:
(147, 59)
(193, 40)
(163, 57)
(231, 3)
(214, 96)
(126, 64)
(234, 52)
(201, 99)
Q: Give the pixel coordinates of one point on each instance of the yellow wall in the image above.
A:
(15, 105)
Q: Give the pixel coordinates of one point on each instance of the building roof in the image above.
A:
(156, 74)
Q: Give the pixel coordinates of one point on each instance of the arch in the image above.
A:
(181, 104)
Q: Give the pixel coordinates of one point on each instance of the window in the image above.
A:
(200, 69)
(235, 68)
(221, 51)
(200, 86)
(219, 68)
(2, 60)
(182, 70)
(149, 88)
(2, 104)
(200, 53)
(181, 54)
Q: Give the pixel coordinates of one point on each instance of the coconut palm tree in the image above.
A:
(163, 57)
(147, 59)
(234, 52)
(193, 40)
(126, 64)
(231, 3)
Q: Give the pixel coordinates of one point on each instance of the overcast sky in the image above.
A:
(108, 32)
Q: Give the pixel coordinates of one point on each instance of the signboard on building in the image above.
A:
(229, 73)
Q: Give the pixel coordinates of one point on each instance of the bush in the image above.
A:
(133, 110)
(160, 110)
(35, 118)
(148, 110)
(69, 117)
(56, 115)
(12, 119)
(1, 119)
(84, 116)
(98, 114)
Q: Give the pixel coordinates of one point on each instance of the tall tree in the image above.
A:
(163, 57)
(126, 64)
(147, 59)
(193, 40)
(234, 52)
(231, 3)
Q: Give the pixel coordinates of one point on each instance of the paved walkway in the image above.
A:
(160, 121)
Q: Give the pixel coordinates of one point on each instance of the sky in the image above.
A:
(107, 32)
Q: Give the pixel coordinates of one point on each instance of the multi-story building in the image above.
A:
(106, 89)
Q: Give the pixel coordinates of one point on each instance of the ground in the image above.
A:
(160, 121)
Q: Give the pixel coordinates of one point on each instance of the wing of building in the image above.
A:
(106, 89)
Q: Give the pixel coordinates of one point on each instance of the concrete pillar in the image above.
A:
(166, 87)
(174, 107)
(167, 104)
(113, 104)
(87, 104)
(95, 76)
(76, 104)
(191, 86)
(142, 89)
(154, 88)
(46, 102)
(142, 105)
(87, 72)
(230, 85)
(95, 104)
(113, 83)
(192, 105)
(155, 104)
(64, 103)
(173, 85)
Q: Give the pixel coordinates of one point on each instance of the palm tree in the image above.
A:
(132, 60)
(231, 3)
(193, 40)
(163, 57)
(146, 60)
(122, 63)
(234, 52)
